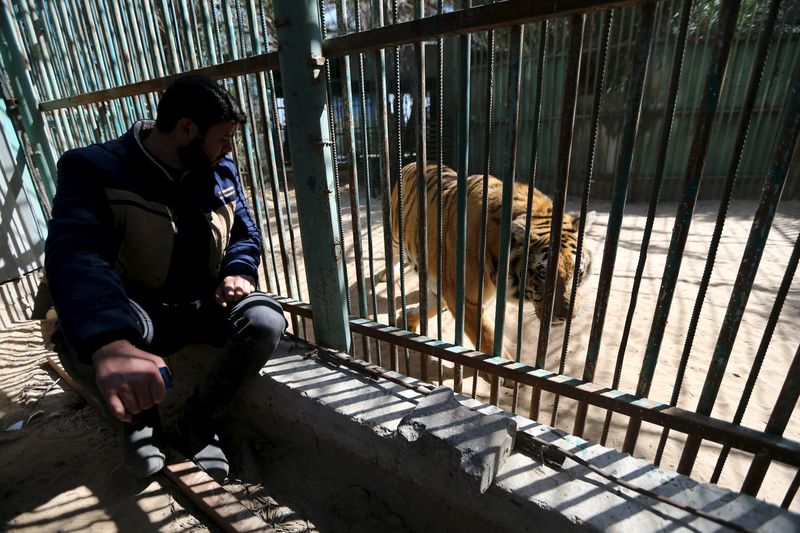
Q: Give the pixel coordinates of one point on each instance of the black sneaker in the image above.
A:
(201, 444)
(142, 444)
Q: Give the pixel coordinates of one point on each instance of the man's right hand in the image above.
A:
(128, 378)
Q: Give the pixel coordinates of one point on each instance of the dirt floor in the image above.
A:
(62, 471)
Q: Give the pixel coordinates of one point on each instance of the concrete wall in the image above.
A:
(393, 443)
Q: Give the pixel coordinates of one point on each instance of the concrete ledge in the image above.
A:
(367, 424)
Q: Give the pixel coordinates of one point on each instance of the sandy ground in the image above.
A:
(62, 471)
(781, 350)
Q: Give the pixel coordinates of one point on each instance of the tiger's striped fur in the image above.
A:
(539, 238)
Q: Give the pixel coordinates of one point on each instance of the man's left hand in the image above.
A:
(234, 288)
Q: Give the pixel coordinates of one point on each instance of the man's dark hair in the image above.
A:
(200, 99)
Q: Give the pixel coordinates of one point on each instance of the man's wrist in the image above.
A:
(112, 348)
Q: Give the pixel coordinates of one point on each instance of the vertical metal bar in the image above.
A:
(32, 120)
(464, 58)
(193, 63)
(758, 360)
(386, 189)
(619, 196)
(284, 179)
(54, 49)
(86, 114)
(747, 110)
(677, 66)
(40, 56)
(208, 31)
(487, 148)
(398, 180)
(355, 202)
(422, 191)
(127, 60)
(173, 46)
(605, 34)
(509, 176)
(306, 113)
(770, 196)
(683, 218)
(439, 165)
(560, 199)
(152, 30)
(335, 152)
(367, 184)
(791, 492)
(784, 405)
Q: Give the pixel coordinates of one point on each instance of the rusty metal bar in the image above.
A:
(231, 69)
(619, 197)
(422, 188)
(462, 157)
(780, 448)
(780, 298)
(605, 34)
(439, 200)
(487, 147)
(791, 492)
(683, 218)
(752, 92)
(386, 186)
(465, 22)
(335, 156)
(566, 131)
(509, 175)
(762, 222)
(669, 114)
(367, 181)
(776, 425)
(349, 135)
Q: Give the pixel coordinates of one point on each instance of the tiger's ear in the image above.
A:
(591, 216)
(517, 233)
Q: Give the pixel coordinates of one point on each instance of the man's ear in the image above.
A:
(186, 129)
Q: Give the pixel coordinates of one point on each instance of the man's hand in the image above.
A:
(234, 288)
(128, 378)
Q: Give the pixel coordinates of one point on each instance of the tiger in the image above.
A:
(539, 241)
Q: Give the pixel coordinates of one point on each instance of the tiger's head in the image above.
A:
(538, 249)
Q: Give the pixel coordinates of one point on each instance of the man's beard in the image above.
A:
(193, 157)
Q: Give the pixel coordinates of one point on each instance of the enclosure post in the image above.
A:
(33, 124)
(300, 52)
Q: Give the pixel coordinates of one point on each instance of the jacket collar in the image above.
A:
(135, 134)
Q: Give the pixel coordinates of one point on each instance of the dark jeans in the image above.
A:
(249, 332)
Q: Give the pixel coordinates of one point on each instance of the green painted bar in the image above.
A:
(14, 62)
(309, 134)
(208, 31)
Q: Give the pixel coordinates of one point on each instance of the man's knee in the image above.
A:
(258, 317)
